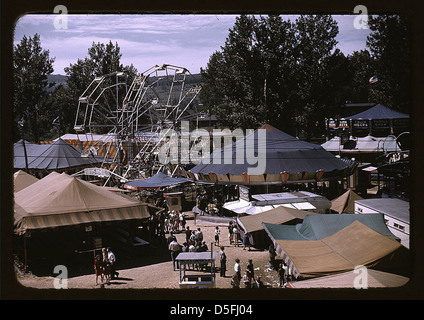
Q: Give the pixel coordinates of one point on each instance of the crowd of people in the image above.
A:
(193, 243)
(172, 222)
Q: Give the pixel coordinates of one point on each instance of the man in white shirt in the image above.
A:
(112, 260)
(174, 249)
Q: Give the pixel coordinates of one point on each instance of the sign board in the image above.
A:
(360, 123)
(244, 193)
(174, 200)
(99, 172)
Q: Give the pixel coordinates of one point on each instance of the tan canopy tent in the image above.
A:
(61, 200)
(345, 203)
(375, 279)
(340, 252)
(21, 180)
(252, 224)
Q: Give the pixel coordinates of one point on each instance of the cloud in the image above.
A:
(145, 40)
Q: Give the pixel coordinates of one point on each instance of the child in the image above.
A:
(98, 268)
(217, 233)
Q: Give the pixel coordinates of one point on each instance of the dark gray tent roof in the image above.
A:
(379, 112)
(281, 152)
(159, 180)
(57, 155)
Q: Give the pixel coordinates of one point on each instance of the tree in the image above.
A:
(315, 42)
(272, 70)
(101, 60)
(362, 66)
(31, 66)
(389, 45)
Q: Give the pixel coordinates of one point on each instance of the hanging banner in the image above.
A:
(381, 123)
(244, 193)
(363, 124)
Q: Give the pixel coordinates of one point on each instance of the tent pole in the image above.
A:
(25, 253)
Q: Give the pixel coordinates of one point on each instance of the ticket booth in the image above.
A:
(174, 200)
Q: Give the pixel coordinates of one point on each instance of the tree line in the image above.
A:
(289, 74)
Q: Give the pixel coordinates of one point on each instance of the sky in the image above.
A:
(185, 40)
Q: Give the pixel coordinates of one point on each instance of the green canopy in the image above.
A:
(319, 226)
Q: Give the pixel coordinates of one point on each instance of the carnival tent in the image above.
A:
(345, 203)
(367, 144)
(61, 200)
(379, 112)
(21, 180)
(341, 252)
(283, 158)
(55, 156)
(159, 180)
(319, 226)
(31, 150)
(375, 279)
(252, 224)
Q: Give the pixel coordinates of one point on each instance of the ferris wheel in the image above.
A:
(157, 99)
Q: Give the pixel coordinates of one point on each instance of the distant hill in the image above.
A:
(61, 79)
(58, 79)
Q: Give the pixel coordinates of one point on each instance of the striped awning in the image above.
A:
(280, 252)
(29, 223)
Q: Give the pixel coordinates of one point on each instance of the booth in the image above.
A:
(174, 200)
(195, 279)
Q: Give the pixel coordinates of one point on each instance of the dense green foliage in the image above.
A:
(292, 75)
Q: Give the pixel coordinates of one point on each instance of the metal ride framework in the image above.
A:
(157, 99)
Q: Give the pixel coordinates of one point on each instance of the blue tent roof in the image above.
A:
(319, 226)
(379, 112)
(159, 180)
(57, 155)
(281, 152)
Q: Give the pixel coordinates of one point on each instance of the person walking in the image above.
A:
(237, 269)
(223, 260)
(217, 233)
(250, 270)
(106, 266)
(235, 236)
(98, 269)
(174, 249)
(112, 260)
(282, 274)
(187, 234)
(246, 240)
(230, 231)
(272, 255)
(199, 235)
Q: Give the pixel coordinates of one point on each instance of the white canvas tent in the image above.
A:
(61, 200)
(21, 180)
(375, 279)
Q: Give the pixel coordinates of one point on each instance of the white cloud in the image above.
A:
(146, 40)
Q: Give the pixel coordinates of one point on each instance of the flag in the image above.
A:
(21, 122)
(373, 79)
(56, 122)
